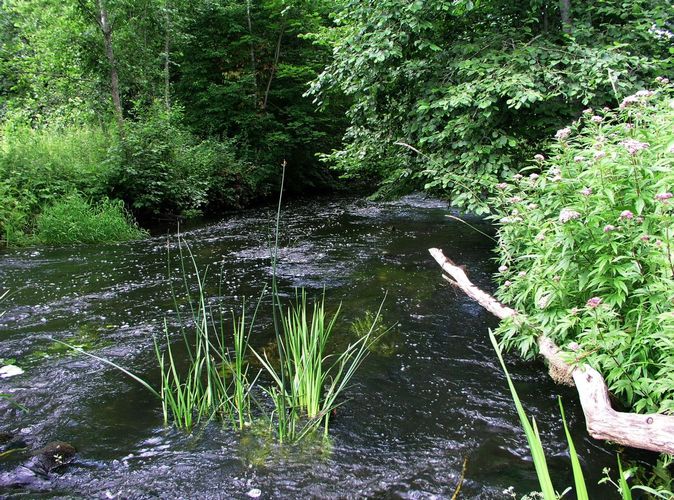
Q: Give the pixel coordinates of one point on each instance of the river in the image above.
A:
(431, 399)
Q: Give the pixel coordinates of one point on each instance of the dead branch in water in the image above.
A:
(654, 432)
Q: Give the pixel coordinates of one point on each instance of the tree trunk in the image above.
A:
(654, 432)
(253, 61)
(167, 56)
(565, 12)
(106, 29)
(274, 66)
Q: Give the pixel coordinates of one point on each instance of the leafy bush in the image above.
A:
(161, 168)
(586, 247)
(74, 220)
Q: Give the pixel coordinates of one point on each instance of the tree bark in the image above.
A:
(565, 12)
(106, 29)
(654, 432)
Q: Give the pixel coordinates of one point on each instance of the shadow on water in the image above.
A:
(432, 398)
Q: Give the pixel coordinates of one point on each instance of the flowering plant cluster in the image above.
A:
(586, 247)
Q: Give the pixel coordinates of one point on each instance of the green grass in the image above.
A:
(216, 381)
(309, 380)
(38, 167)
(75, 220)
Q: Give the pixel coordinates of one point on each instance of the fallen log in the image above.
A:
(653, 432)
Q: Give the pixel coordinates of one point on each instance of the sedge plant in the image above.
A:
(309, 380)
(535, 444)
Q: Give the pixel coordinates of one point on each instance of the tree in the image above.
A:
(474, 88)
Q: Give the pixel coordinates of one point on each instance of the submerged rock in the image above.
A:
(52, 456)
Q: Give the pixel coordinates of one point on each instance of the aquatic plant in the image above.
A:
(74, 220)
(309, 379)
(385, 344)
(216, 379)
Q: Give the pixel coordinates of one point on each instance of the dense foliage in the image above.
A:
(587, 247)
(453, 96)
(191, 106)
(40, 166)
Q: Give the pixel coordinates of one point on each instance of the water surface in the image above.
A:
(431, 400)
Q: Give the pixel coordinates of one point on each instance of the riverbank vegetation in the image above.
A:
(174, 108)
(585, 247)
(555, 117)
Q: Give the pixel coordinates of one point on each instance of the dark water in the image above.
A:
(432, 399)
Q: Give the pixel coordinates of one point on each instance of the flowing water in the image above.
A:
(430, 399)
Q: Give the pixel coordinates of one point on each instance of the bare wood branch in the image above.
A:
(654, 432)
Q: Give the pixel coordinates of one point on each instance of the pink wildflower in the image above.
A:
(609, 227)
(540, 237)
(501, 185)
(507, 283)
(515, 199)
(522, 274)
(626, 214)
(539, 157)
(593, 302)
(588, 111)
(574, 346)
(578, 159)
(633, 146)
(628, 101)
(598, 155)
(517, 177)
(596, 119)
(563, 134)
(567, 214)
(502, 269)
(533, 177)
(645, 238)
(586, 191)
(663, 196)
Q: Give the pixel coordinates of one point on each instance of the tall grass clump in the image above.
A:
(75, 220)
(213, 381)
(38, 166)
(309, 379)
(586, 247)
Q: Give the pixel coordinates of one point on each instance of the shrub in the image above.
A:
(161, 168)
(587, 252)
(74, 220)
(40, 166)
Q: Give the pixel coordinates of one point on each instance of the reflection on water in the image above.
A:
(417, 408)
